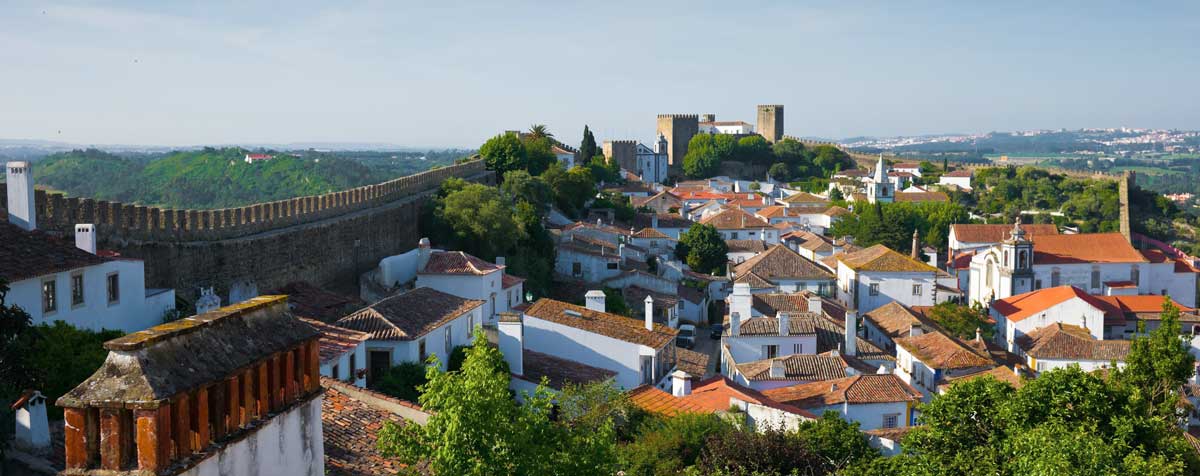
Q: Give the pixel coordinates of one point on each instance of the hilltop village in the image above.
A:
(726, 280)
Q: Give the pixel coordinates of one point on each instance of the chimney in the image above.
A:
(654, 220)
(931, 258)
(21, 211)
(594, 300)
(512, 341)
(621, 252)
(777, 370)
(735, 324)
(85, 237)
(978, 335)
(814, 304)
(851, 347)
(740, 301)
(32, 428)
(916, 246)
(500, 261)
(681, 383)
(784, 324)
(649, 313)
(424, 250)
(1018, 367)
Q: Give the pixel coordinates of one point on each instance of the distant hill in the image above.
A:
(215, 178)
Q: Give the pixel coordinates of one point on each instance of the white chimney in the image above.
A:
(978, 335)
(784, 324)
(424, 251)
(735, 323)
(649, 313)
(851, 347)
(500, 261)
(594, 300)
(741, 300)
(814, 304)
(777, 370)
(681, 383)
(512, 341)
(32, 427)
(654, 220)
(21, 211)
(931, 258)
(85, 237)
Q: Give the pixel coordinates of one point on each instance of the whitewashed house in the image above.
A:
(670, 225)
(874, 401)
(872, 277)
(564, 156)
(343, 352)
(741, 250)
(587, 259)
(726, 127)
(652, 163)
(780, 269)
(886, 323)
(958, 178)
(928, 360)
(796, 369)
(737, 224)
(54, 280)
(1059, 346)
(454, 272)
(411, 326)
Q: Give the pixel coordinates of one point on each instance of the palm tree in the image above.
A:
(538, 131)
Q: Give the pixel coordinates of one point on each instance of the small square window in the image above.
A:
(916, 290)
(49, 296)
(891, 421)
(772, 351)
(873, 289)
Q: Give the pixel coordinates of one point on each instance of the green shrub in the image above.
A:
(403, 381)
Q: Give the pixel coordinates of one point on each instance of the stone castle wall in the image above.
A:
(322, 238)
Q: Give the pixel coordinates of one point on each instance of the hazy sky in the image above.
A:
(439, 73)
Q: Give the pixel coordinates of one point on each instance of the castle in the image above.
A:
(678, 130)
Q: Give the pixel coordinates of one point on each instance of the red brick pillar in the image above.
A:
(115, 433)
(199, 419)
(289, 377)
(249, 405)
(262, 391)
(299, 355)
(216, 410)
(181, 423)
(155, 447)
(233, 391)
(75, 434)
(314, 366)
(276, 388)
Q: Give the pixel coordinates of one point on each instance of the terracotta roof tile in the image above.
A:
(801, 324)
(336, 341)
(980, 233)
(603, 323)
(940, 351)
(1068, 342)
(714, 393)
(508, 280)
(408, 316)
(656, 401)
(308, 300)
(457, 262)
(804, 197)
(831, 335)
(665, 220)
(922, 197)
(350, 432)
(894, 319)
(1084, 248)
(559, 371)
(882, 258)
(959, 173)
(807, 367)
(652, 233)
(1000, 372)
(780, 262)
(692, 362)
(734, 219)
(29, 254)
(858, 389)
(746, 246)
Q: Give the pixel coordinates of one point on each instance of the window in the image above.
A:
(772, 351)
(873, 289)
(577, 268)
(1055, 277)
(823, 289)
(733, 235)
(647, 370)
(1135, 275)
(449, 339)
(421, 350)
(1021, 259)
(49, 296)
(76, 289)
(1095, 277)
(114, 288)
(891, 421)
(1037, 284)
(916, 290)
(653, 243)
(353, 366)
(334, 373)
(798, 349)
(612, 265)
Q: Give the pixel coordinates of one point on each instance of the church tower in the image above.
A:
(1016, 267)
(880, 189)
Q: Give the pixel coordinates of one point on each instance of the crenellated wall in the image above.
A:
(320, 238)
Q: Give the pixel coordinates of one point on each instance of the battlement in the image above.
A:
(764, 106)
(622, 141)
(679, 116)
(121, 222)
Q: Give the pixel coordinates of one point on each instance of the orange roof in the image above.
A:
(1084, 248)
(882, 258)
(457, 262)
(656, 401)
(734, 219)
(714, 393)
(1144, 303)
(1017, 308)
(870, 388)
(980, 233)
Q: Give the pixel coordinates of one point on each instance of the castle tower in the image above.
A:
(770, 122)
(708, 118)
(880, 189)
(678, 129)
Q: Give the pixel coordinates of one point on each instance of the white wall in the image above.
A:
(589, 348)
(1074, 311)
(290, 443)
(769, 235)
(750, 348)
(343, 364)
(892, 287)
(1043, 365)
(132, 312)
(485, 288)
(869, 415)
(435, 341)
(593, 268)
(400, 268)
(964, 182)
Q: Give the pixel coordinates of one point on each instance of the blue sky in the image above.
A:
(455, 73)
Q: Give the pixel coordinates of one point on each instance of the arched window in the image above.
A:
(987, 277)
(1021, 259)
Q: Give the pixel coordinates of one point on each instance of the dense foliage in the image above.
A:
(16, 370)
(962, 321)
(788, 159)
(218, 178)
(892, 224)
(702, 248)
(402, 381)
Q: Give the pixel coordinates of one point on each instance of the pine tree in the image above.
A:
(587, 149)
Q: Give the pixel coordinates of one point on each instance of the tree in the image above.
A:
(587, 148)
(962, 321)
(521, 186)
(15, 368)
(503, 153)
(538, 154)
(962, 431)
(404, 381)
(780, 172)
(837, 442)
(540, 131)
(753, 149)
(614, 302)
(703, 249)
(749, 453)
(572, 188)
(667, 446)
(476, 428)
(604, 170)
(701, 162)
(481, 220)
(1158, 364)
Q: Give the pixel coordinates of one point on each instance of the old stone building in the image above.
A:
(770, 122)
(678, 129)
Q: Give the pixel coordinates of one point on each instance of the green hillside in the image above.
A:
(206, 178)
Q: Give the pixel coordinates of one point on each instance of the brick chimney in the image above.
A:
(21, 205)
(247, 363)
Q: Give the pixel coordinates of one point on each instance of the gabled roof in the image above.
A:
(999, 372)
(1067, 342)
(1019, 307)
(336, 341)
(602, 323)
(734, 219)
(770, 304)
(507, 280)
(894, 319)
(882, 258)
(713, 395)
(808, 367)
(858, 389)
(940, 351)
(651, 233)
(836, 211)
(665, 220)
(458, 262)
(746, 246)
(804, 197)
(664, 196)
(755, 281)
(351, 419)
(980, 233)
(408, 316)
(653, 400)
(800, 324)
(922, 197)
(959, 173)
(780, 262)
(831, 335)
(29, 254)
(1084, 248)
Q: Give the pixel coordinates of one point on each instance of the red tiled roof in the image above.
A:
(350, 432)
(979, 233)
(746, 246)
(713, 395)
(336, 341)
(308, 300)
(894, 319)
(882, 258)
(651, 233)
(1084, 248)
(1019, 307)
(29, 254)
(508, 280)
(457, 262)
(962, 260)
(734, 219)
(940, 351)
(805, 367)
(409, 315)
(559, 372)
(959, 173)
(603, 323)
(780, 262)
(656, 401)
(1064, 341)
(858, 389)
